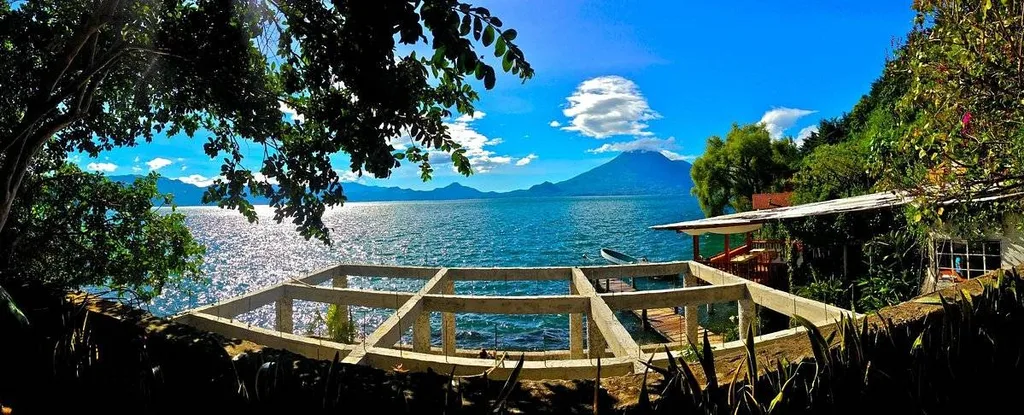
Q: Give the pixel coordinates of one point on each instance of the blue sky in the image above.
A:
(618, 75)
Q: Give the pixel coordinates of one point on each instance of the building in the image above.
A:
(952, 258)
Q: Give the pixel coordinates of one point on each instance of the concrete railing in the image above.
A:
(602, 337)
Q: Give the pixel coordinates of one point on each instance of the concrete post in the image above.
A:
(575, 329)
(448, 321)
(341, 281)
(747, 314)
(283, 315)
(595, 340)
(690, 311)
(421, 333)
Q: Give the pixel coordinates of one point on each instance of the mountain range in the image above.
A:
(630, 173)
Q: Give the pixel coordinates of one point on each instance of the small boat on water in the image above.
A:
(620, 258)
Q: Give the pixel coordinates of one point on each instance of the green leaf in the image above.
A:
(9, 307)
(467, 24)
(488, 37)
(506, 63)
(499, 47)
(489, 78)
(478, 27)
(509, 34)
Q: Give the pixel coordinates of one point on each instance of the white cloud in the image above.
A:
(198, 180)
(295, 116)
(158, 163)
(105, 167)
(347, 175)
(607, 106)
(555, 124)
(476, 115)
(676, 156)
(183, 168)
(804, 133)
(640, 144)
(137, 159)
(136, 169)
(526, 160)
(482, 159)
(778, 120)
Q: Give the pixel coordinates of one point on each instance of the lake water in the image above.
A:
(242, 257)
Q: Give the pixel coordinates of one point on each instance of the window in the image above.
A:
(966, 259)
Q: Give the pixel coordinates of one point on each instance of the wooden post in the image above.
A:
(421, 333)
(283, 315)
(643, 318)
(575, 329)
(727, 254)
(448, 321)
(595, 341)
(691, 311)
(696, 247)
(341, 281)
(750, 240)
(747, 314)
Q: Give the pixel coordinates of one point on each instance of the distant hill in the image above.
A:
(631, 173)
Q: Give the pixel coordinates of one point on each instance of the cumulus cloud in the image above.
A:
(676, 156)
(778, 120)
(607, 106)
(198, 180)
(555, 124)
(104, 167)
(347, 175)
(158, 163)
(183, 168)
(137, 159)
(476, 115)
(292, 114)
(136, 169)
(526, 160)
(480, 157)
(640, 144)
(804, 133)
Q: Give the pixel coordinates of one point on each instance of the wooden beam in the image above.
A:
(615, 335)
(634, 270)
(532, 369)
(235, 306)
(690, 311)
(575, 329)
(390, 271)
(541, 304)
(675, 297)
(448, 321)
(511, 274)
(347, 296)
(391, 330)
(311, 348)
(779, 301)
(283, 320)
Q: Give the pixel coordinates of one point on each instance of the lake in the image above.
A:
(242, 257)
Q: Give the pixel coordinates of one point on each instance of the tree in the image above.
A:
(94, 75)
(97, 74)
(748, 161)
(70, 229)
(961, 113)
(834, 171)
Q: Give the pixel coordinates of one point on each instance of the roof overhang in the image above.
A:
(748, 221)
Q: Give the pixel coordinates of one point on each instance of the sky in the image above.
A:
(615, 76)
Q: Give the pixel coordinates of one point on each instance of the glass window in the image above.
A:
(966, 259)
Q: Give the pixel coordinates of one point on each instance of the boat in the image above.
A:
(620, 258)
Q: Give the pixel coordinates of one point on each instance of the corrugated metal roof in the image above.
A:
(729, 223)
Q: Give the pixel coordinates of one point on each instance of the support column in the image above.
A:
(595, 341)
(421, 333)
(283, 315)
(690, 281)
(448, 321)
(342, 314)
(747, 314)
(575, 329)
(728, 255)
(696, 247)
